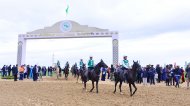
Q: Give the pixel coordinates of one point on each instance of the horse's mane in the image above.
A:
(97, 68)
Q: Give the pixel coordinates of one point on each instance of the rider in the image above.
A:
(67, 64)
(90, 66)
(75, 64)
(125, 66)
(81, 64)
(125, 63)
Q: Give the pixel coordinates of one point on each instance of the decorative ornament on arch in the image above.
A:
(66, 26)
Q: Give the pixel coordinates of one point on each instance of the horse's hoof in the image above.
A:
(114, 92)
(96, 92)
(85, 89)
(121, 93)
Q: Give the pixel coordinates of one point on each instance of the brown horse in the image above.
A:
(129, 75)
(94, 75)
(66, 71)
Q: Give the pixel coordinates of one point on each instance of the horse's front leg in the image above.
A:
(77, 80)
(115, 86)
(120, 87)
(85, 86)
(130, 89)
(96, 86)
(92, 86)
(135, 88)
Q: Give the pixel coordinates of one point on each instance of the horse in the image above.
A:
(93, 75)
(66, 71)
(58, 71)
(129, 75)
(72, 70)
(75, 71)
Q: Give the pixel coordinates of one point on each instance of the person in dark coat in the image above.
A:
(34, 71)
(177, 75)
(43, 71)
(152, 75)
(9, 70)
(139, 76)
(168, 75)
(3, 70)
(187, 75)
(15, 72)
(49, 71)
(158, 70)
(28, 71)
(112, 69)
(108, 71)
(148, 73)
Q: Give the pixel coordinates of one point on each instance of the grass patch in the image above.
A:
(7, 77)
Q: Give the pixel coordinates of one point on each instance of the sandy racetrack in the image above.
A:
(51, 92)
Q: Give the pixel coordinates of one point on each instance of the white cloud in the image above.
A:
(161, 49)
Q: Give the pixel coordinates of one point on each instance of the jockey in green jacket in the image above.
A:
(125, 63)
(81, 63)
(90, 64)
(67, 64)
(90, 68)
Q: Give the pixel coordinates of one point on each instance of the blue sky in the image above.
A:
(152, 31)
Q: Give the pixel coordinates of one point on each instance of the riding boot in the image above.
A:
(89, 75)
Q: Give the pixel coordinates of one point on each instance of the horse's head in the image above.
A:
(84, 66)
(102, 64)
(99, 65)
(136, 66)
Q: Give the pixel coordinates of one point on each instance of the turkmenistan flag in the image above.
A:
(67, 9)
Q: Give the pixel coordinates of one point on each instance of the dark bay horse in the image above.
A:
(129, 75)
(75, 71)
(94, 75)
(66, 71)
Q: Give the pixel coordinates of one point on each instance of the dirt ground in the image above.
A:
(52, 92)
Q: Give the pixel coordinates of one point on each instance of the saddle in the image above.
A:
(122, 73)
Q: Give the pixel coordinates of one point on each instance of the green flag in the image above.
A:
(67, 9)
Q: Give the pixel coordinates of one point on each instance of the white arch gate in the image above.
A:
(66, 29)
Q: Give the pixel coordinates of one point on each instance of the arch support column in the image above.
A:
(115, 49)
(21, 52)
